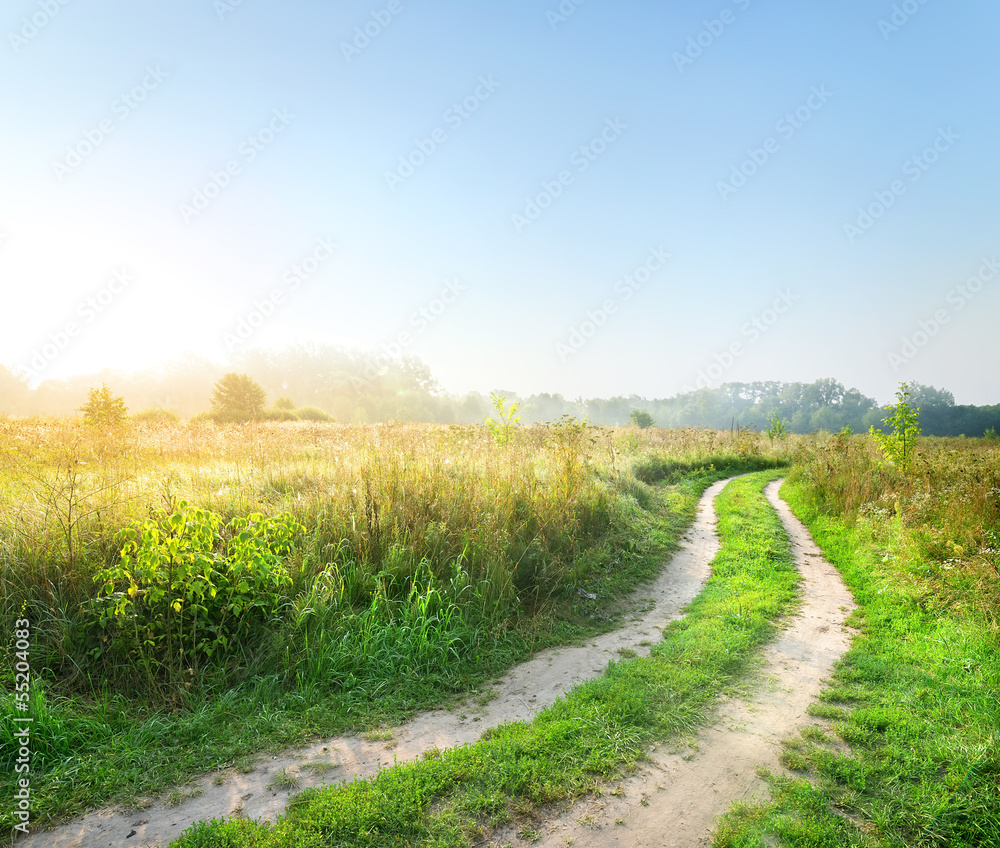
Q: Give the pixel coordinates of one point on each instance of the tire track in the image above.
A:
(675, 798)
(523, 692)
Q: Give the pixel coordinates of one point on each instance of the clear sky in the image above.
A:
(592, 198)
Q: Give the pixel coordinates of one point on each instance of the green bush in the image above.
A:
(187, 588)
(312, 413)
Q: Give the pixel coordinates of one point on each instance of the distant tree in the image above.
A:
(927, 396)
(284, 403)
(641, 419)
(14, 391)
(237, 397)
(828, 418)
(311, 413)
(472, 408)
(103, 409)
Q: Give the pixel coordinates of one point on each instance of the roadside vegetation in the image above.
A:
(198, 593)
(456, 797)
(911, 756)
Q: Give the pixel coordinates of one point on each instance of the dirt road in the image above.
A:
(684, 792)
(674, 799)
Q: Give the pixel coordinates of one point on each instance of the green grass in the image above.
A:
(103, 747)
(915, 699)
(453, 797)
(427, 548)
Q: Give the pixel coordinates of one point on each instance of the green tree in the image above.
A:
(237, 397)
(103, 409)
(898, 445)
(641, 419)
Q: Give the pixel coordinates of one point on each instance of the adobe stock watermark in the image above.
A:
(786, 127)
(420, 320)
(121, 108)
(225, 7)
(265, 307)
(624, 289)
(87, 312)
(371, 29)
(711, 30)
(914, 168)
(454, 116)
(247, 150)
(22, 724)
(957, 299)
(563, 12)
(752, 330)
(30, 27)
(902, 14)
(581, 158)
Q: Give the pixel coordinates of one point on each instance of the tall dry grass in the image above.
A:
(940, 520)
(507, 527)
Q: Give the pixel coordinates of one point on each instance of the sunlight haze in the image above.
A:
(588, 198)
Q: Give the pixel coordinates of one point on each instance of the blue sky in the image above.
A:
(588, 198)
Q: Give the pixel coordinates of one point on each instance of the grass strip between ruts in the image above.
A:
(915, 699)
(451, 797)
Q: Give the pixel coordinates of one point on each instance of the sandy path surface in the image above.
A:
(674, 798)
(523, 692)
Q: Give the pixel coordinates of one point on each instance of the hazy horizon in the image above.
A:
(568, 197)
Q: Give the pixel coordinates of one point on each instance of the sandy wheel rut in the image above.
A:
(683, 793)
(675, 798)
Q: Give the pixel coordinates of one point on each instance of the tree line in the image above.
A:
(331, 383)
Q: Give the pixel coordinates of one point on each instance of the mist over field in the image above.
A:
(330, 384)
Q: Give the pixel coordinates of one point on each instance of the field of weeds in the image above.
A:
(198, 593)
(910, 756)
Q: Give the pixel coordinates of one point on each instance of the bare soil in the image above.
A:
(672, 800)
(675, 797)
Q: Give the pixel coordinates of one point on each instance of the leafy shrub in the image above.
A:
(279, 415)
(186, 588)
(312, 413)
